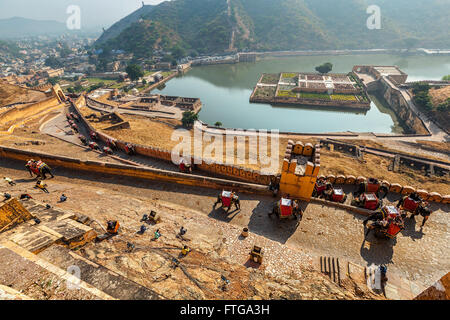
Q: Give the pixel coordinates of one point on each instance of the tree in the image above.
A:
(53, 81)
(324, 68)
(446, 78)
(78, 87)
(134, 72)
(218, 124)
(189, 119)
(64, 51)
(419, 87)
(167, 58)
(178, 52)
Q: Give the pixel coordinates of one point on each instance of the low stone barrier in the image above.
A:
(133, 171)
(394, 187)
(359, 210)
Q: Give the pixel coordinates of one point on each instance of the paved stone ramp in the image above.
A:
(98, 276)
(21, 269)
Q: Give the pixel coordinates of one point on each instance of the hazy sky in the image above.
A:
(93, 12)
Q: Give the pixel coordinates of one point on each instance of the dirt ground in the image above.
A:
(157, 133)
(439, 95)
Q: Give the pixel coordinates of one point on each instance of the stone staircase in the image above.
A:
(55, 226)
(339, 270)
(98, 276)
(24, 271)
(37, 261)
(396, 288)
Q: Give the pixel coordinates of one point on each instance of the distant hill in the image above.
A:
(217, 26)
(17, 27)
(21, 27)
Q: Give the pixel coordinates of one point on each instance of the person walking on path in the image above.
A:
(10, 181)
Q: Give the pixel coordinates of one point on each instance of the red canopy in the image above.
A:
(285, 207)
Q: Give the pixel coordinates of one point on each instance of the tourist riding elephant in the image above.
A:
(372, 186)
(228, 199)
(39, 168)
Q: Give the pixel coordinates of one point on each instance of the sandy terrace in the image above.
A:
(11, 94)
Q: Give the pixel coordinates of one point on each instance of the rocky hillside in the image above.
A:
(216, 26)
(124, 23)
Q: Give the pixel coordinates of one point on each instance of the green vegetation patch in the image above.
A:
(265, 92)
(286, 93)
(343, 97)
(270, 78)
(289, 75)
(311, 95)
(99, 80)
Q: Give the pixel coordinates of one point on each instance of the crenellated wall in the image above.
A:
(300, 169)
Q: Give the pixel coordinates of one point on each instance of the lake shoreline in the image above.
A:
(225, 90)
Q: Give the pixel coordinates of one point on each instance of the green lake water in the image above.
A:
(225, 91)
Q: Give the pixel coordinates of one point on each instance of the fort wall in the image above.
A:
(217, 169)
(132, 171)
(402, 110)
(21, 112)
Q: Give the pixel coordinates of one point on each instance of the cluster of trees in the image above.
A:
(64, 51)
(79, 88)
(189, 119)
(75, 89)
(324, 68)
(423, 100)
(134, 72)
(444, 106)
(421, 96)
(8, 48)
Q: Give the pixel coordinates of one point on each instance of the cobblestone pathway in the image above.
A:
(419, 256)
